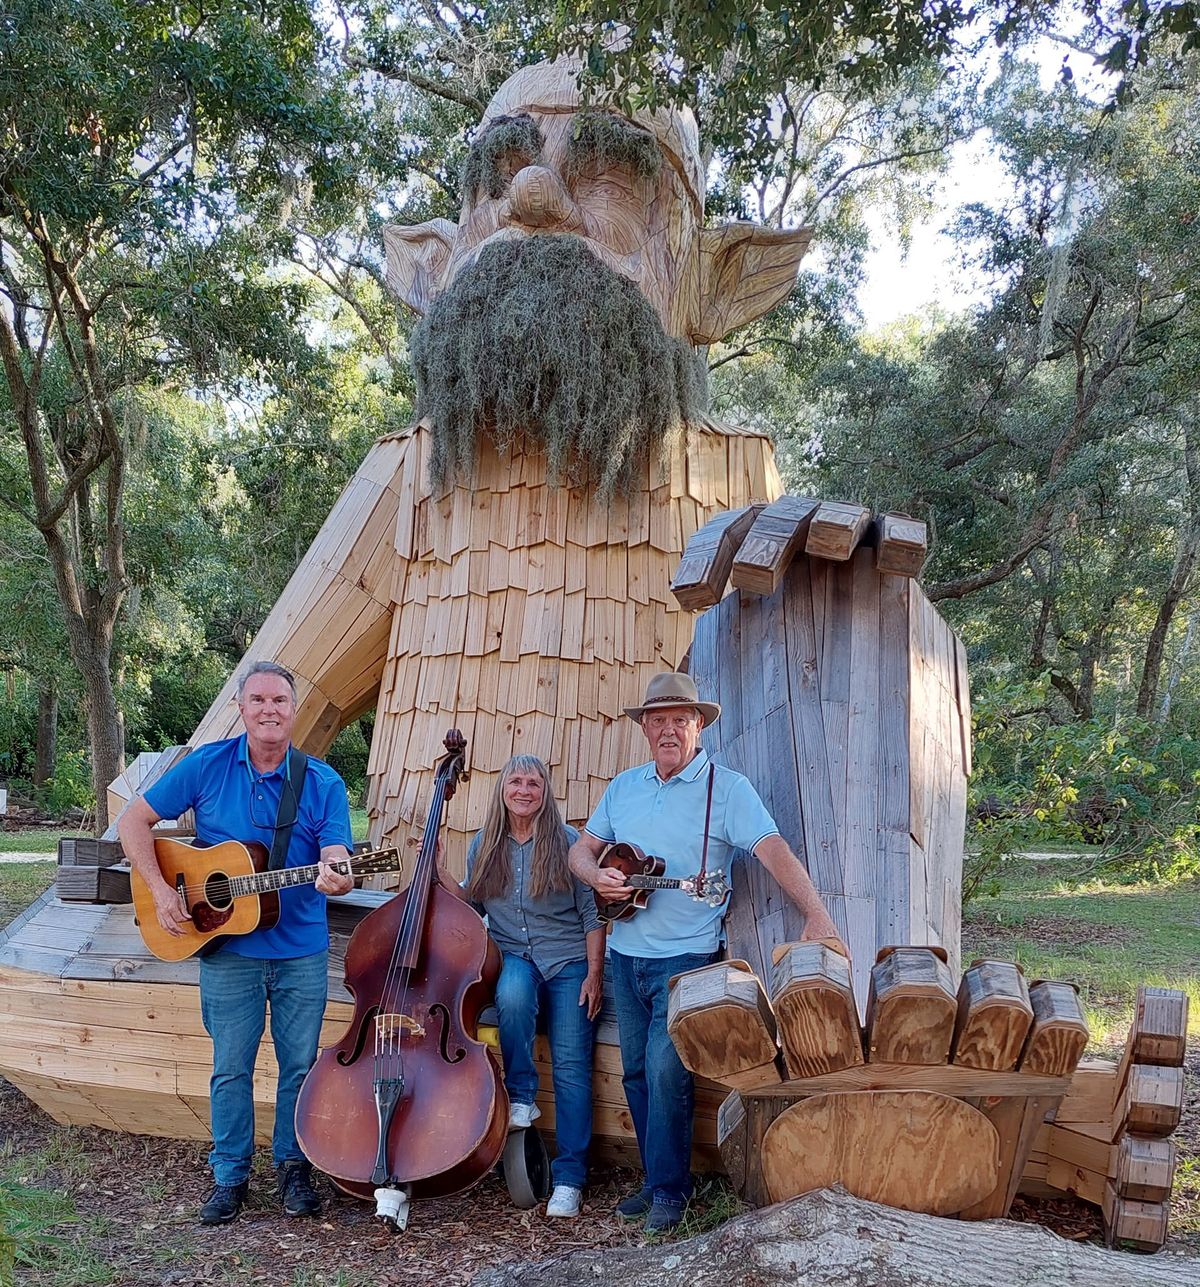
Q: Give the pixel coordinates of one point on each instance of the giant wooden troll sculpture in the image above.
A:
(486, 593)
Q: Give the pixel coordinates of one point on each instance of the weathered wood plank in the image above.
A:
(901, 544)
(836, 529)
(777, 533)
(703, 572)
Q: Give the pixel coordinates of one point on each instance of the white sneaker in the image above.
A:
(522, 1115)
(564, 1201)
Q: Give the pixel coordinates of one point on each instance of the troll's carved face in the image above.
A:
(631, 190)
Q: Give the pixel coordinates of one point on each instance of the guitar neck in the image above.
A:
(266, 882)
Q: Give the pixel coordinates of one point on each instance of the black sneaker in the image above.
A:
(223, 1203)
(296, 1190)
(663, 1217)
(636, 1205)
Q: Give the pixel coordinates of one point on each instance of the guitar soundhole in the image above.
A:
(216, 891)
(443, 1040)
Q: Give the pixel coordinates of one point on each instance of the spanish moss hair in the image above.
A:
(492, 874)
(602, 139)
(505, 136)
(266, 668)
(540, 337)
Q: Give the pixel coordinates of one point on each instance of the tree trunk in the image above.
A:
(1177, 667)
(1181, 572)
(830, 1239)
(47, 734)
(105, 735)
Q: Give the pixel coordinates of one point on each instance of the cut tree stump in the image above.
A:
(830, 1239)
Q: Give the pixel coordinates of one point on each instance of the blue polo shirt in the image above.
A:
(667, 819)
(233, 801)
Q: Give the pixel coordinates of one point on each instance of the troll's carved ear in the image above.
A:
(745, 270)
(416, 259)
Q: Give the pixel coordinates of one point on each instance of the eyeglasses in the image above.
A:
(256, 795)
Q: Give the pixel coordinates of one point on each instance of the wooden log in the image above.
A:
(901, 544)
(1154, 1100)
(1059, 1032)
(909, 1149)
(1145, 1168)
(93, 884)
(831, 1239)
(721, 1022)
(835, 530)
(771, 543)
(1160, 1026)
(813, 1000)
(703, 572)
(1129, 1223)
(911, 1007)
(731, 1139)
(994, 1016)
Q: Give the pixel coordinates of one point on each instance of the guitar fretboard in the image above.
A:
(266, 882)
(656, 882)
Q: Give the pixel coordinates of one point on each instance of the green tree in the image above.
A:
(146, 148)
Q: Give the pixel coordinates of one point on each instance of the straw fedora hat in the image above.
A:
(673, 689)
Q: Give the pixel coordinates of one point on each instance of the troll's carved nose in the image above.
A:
(537, 198)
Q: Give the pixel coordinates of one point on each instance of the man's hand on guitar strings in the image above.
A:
(610, 884)
(171, 909)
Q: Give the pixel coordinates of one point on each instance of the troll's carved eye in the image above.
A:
(504, 147)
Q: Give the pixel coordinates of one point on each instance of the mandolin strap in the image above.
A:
(712, 768)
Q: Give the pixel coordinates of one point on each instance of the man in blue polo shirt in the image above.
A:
(235, 788)
(662, 807)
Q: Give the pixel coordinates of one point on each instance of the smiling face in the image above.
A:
(523, 796)
(268, 711)
(674, 737)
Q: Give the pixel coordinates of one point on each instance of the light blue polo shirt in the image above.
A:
(233, 801)
(667, 819)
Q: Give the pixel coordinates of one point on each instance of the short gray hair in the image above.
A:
(266, 668)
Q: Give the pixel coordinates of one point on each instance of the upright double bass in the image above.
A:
(408, 1103)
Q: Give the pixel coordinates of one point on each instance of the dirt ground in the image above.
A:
(135, 1200)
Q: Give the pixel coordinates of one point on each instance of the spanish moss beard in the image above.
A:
(540, 339)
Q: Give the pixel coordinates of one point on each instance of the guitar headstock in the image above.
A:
(377, 863)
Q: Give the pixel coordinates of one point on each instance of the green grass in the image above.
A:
(39, 840)
(358, 823)
(1059, 921)
(20, 884)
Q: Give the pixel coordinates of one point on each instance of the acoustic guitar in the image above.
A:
(643, 873)
(228, 890)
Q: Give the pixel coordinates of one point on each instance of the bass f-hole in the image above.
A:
(439, 1011)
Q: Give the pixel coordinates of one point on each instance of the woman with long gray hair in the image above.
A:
(544, 921)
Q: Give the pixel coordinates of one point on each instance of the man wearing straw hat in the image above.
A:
(694, 815)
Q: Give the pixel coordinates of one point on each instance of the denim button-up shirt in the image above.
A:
(549, 931)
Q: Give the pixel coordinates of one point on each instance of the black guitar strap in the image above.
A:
(712, 768)
(289, 806)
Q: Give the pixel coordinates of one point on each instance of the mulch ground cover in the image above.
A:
(136, 1199)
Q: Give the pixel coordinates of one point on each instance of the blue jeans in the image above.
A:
(234, 991)
(658, 1088)
(519, 994)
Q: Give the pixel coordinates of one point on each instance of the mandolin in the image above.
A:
(643, 873)
(228, 890)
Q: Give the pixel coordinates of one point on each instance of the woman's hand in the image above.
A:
(591, 993)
